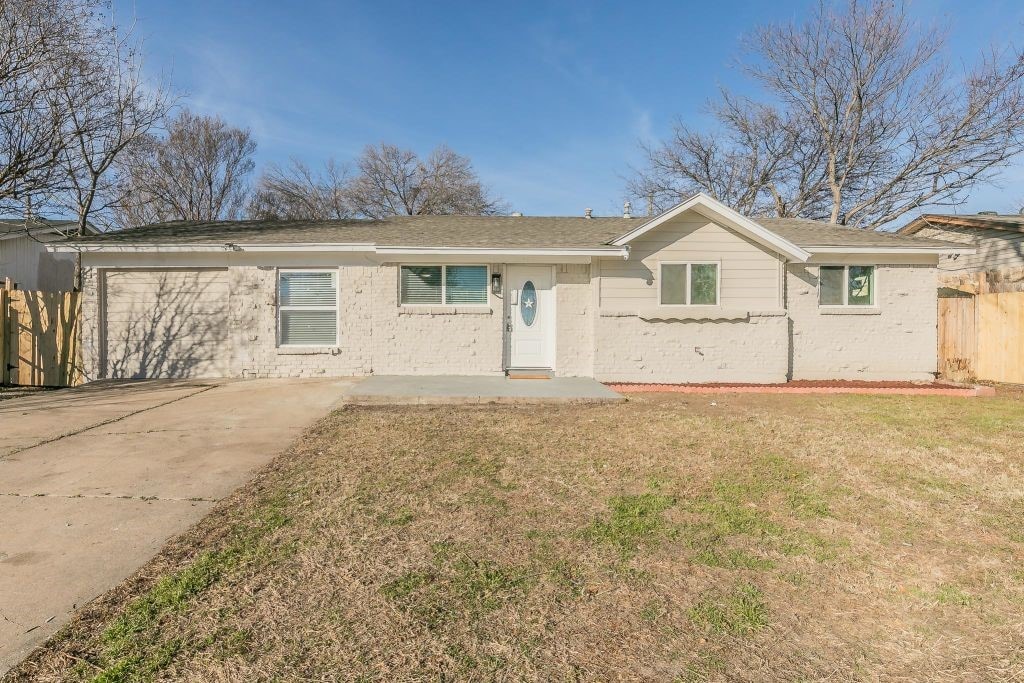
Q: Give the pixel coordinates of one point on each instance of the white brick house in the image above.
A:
(697, 294)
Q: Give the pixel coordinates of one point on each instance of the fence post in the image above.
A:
(4, 373)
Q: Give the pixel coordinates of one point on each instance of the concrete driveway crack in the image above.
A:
(103, 423)
(112, 496)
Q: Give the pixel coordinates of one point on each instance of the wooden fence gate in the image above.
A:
(39, 338)
(981, 336)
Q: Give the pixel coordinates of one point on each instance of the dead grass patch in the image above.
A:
(760, 538)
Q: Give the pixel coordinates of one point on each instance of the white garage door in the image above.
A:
(166, 323)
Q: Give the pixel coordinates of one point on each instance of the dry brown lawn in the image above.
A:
(669, 538)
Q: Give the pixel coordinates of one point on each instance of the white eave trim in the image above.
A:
(521, 251)
(892, 250)
(716, 210)
(228, 246)
(622, 252)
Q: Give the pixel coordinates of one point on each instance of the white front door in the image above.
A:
(531, 317)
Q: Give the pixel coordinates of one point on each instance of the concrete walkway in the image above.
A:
(450, 389)
(94, 480)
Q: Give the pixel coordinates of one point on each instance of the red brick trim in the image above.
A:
(833, 387)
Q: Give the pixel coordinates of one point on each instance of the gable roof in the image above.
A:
(1013, 222)
(794, 238)
(716, 210)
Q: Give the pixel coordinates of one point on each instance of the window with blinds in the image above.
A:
(421, 284)
(308, 308)
(451, 285)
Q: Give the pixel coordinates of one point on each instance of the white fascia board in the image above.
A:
(174, 248)
(716, 210)
(892, 250)
(622, 252)
(491, 251)
(302, 247)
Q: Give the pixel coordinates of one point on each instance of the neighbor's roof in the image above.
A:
(43, 229)
(1013, 222)
(482, 232)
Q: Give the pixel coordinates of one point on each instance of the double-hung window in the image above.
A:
(688, 284)
(448, 285)
(846, 286)
(307, 307)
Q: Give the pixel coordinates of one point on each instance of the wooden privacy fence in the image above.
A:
(39, 338)
(981, 336)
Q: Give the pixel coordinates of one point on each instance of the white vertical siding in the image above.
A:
(26, 261)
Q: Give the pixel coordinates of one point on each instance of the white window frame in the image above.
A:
(689, 283)
(336, 307)
(444, 283)
(846, 286)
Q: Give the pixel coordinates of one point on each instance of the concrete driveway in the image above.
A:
(94, 480)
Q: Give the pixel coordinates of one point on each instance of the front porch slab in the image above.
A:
(458, 389)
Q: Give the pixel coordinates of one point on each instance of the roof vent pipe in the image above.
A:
(626, 207)
(588, 213)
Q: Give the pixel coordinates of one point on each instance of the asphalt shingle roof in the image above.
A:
(498, 232)
(1013, 222)
(807, 233)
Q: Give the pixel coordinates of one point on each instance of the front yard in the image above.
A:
(669, 538)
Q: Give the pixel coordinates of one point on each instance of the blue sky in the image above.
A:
(549, 100)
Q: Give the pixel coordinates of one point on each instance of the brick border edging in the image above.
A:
(966, 392)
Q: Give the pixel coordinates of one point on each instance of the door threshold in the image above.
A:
(529, 373)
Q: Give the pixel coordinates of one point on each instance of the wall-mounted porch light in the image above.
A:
(495, 283)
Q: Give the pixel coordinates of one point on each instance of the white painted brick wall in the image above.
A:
(574, 310)
(89, 325)
(380, 337)
(376, 335)
(631, 349)
(899, 343)
(433, 340)
(254, 327)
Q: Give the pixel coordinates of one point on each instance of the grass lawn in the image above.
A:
(670, 538)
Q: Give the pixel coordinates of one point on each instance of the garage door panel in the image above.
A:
(167, 323)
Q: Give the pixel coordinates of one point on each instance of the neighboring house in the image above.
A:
(997, 238)
(25, 260)
(699, 293)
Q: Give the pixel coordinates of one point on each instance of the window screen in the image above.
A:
(830, 287)
(421, 284)
(673, 284)
(308, 308)
(465, 284)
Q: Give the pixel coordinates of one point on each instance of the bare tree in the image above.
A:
(300, 192)
(391, 181)
(869, 123)
(763, 162)
(111, 109)
(37, 58)
(199, 171)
